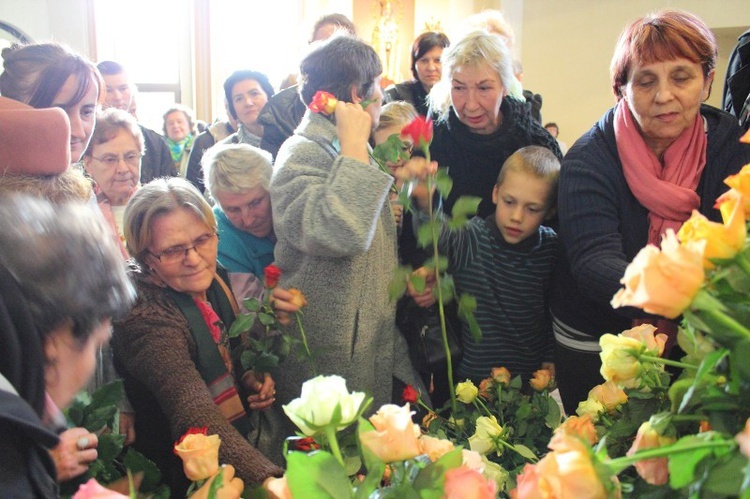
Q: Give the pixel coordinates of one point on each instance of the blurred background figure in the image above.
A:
(426, 69)
(180, 131)
(554, 130)
(157, 161)
(61, 282)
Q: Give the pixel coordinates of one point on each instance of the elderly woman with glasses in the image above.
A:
(172, 350)
(113, 159)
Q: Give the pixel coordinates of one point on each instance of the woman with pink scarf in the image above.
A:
(651, 160)
(113, 159)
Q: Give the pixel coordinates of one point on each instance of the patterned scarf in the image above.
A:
(177, 149)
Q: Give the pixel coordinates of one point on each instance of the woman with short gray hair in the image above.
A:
(238, 177)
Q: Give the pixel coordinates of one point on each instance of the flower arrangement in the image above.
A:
(267, 349)
(686, 436)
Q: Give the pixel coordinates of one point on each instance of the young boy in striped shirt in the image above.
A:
(505, 261)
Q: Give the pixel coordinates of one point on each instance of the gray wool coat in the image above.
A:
(337, 243)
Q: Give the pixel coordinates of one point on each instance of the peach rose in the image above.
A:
(541, 380)
(435, 448)
(93, 490)
(722, 241)
(231, 486)
(645, 334)
(663, 282)
(200, 455)
(465, 483)
(580, 426)
(298, 298)
(395, 437)
(278, 487)
(743, 439)
(501, 375)
(473, 460)
(655, 470)
(610, 395)
(567, 471)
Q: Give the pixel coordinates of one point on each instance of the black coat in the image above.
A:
(157, 160)
(280, 117)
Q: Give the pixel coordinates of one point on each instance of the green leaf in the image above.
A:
(137, 462)
(463, 208)
(397, 286)
(317, 475)
(553, 416)
(243, 323)
(526, 452)
(682, 465)
(267, 319)
(425, 231)
(107, 395)
(432, 477)
(252, 304)
(447, 289)
(418, 282)
(443, 182)
(725, 477)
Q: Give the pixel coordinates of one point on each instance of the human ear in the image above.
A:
(707, 85)
(356, 99)
(495, 193)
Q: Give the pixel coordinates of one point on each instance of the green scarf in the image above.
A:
(177, 149)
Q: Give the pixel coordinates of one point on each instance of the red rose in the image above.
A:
(306, 444)
(420, 131)
(323, 102)
(410, 394)
(272, 274)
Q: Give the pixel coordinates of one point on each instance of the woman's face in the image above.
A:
(249, 211)
(664, 98)
(187, 270)
(476, 95)
(82, 116)
(248, 99)
(69, 365)
(177, 125)
(116, 167)
(429, 68)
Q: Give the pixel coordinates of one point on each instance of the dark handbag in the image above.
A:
(421, 329)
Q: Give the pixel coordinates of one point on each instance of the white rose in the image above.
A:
(317, 405)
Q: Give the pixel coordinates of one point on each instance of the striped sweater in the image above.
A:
(511, 283)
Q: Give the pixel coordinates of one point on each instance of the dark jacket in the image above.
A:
(204, 140)
(410, 91)
(26, 467)
(280, 117)
(737, 86)
(157, 160)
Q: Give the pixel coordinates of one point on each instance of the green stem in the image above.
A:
(743, 263)
(620, 463)
(499, 403)
(441, 308)
(478, 400)
(510, 446)
(334, 443)
(688, 417)
(728, 322)
(668, 362)
(304, 343)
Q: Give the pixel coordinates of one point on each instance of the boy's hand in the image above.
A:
(416, 170)
(425, 298)
(550, 366)
(353, 126)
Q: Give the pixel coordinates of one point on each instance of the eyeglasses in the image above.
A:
(112, 160)
(179, 253)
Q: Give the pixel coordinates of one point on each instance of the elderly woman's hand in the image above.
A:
(265, 388)
(284, 304)
(425, 298)
(353, 126)
(416, 170)
(77, 448)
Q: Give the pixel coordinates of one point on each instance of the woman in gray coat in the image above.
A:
(336, 231)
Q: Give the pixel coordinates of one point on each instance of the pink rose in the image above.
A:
(395, 437)
(466, 483)
(93, 490)
(743, 439)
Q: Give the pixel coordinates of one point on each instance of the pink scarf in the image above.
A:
(668, 192)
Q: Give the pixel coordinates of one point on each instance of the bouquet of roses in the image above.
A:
(266, 346)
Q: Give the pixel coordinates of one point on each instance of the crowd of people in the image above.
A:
(108, 228)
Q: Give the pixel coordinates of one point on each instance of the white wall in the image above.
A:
(64, 21)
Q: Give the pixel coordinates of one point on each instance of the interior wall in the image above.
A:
(65, 21)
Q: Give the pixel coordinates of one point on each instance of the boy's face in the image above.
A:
(522, 205)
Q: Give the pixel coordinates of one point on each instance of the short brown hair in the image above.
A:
(662, 36)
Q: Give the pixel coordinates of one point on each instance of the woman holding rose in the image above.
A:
(643, 168)
(172, 350)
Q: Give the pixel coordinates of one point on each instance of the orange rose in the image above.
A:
(567, 471)
(740, 182)
(745, 199)
(465, 483)
(663, 282)
(200, 455)
(395, 437)
(323, 102)
(721, 240)
(645, 334)
(428, 418)
(501, 375)
(298, 298)
(231, 486)
(541, 380)
(582, 427)
(435, 448)
(655, 471)
(743, 439)
(485, 388)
